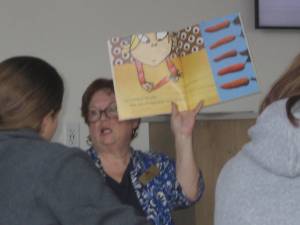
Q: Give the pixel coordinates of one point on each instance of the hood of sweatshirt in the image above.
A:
(275, 142)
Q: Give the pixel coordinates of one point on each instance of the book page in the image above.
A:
(208, 61)
(147, 74)
(199, 81)
(229, 57)
(222, 70)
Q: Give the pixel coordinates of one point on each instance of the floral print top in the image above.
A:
(162, 193)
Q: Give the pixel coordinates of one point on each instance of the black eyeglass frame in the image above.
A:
(110, 112)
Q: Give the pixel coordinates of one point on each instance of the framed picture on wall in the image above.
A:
(284, 14)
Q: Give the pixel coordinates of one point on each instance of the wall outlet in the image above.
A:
(73, 134)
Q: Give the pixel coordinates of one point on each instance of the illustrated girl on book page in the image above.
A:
(152, 49)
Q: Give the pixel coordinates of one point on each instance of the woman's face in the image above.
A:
(108, 132)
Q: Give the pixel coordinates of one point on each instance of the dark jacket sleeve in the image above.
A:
(76, 193)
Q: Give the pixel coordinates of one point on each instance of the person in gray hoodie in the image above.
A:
(261, 184)
(43, 183)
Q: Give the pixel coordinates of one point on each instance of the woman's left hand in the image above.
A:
(182, 123)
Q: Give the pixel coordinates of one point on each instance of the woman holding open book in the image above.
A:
(152, 183)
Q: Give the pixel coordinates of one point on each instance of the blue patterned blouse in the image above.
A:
(162, 193)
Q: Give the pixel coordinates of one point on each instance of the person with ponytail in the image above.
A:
(45, 183)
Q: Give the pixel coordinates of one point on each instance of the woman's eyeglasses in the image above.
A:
(96, 114)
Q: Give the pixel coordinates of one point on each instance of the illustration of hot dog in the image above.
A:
(231, 69)
(218, 26)
(243, 81)
(228, 54)
(240, 82)
(222, 41)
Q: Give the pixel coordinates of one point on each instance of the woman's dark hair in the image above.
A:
(100, 84)
(287, 86)
(30, 88)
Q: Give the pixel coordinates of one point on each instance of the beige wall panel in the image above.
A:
(214, 141)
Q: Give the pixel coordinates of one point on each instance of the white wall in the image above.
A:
(72, 34)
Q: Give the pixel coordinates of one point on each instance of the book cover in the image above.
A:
(208, 61)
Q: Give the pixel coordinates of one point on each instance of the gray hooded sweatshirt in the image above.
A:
(261, 184)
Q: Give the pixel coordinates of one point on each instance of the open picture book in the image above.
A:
(208, 61)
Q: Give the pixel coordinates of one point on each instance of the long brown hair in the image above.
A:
(287, 86)
(30, 88)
